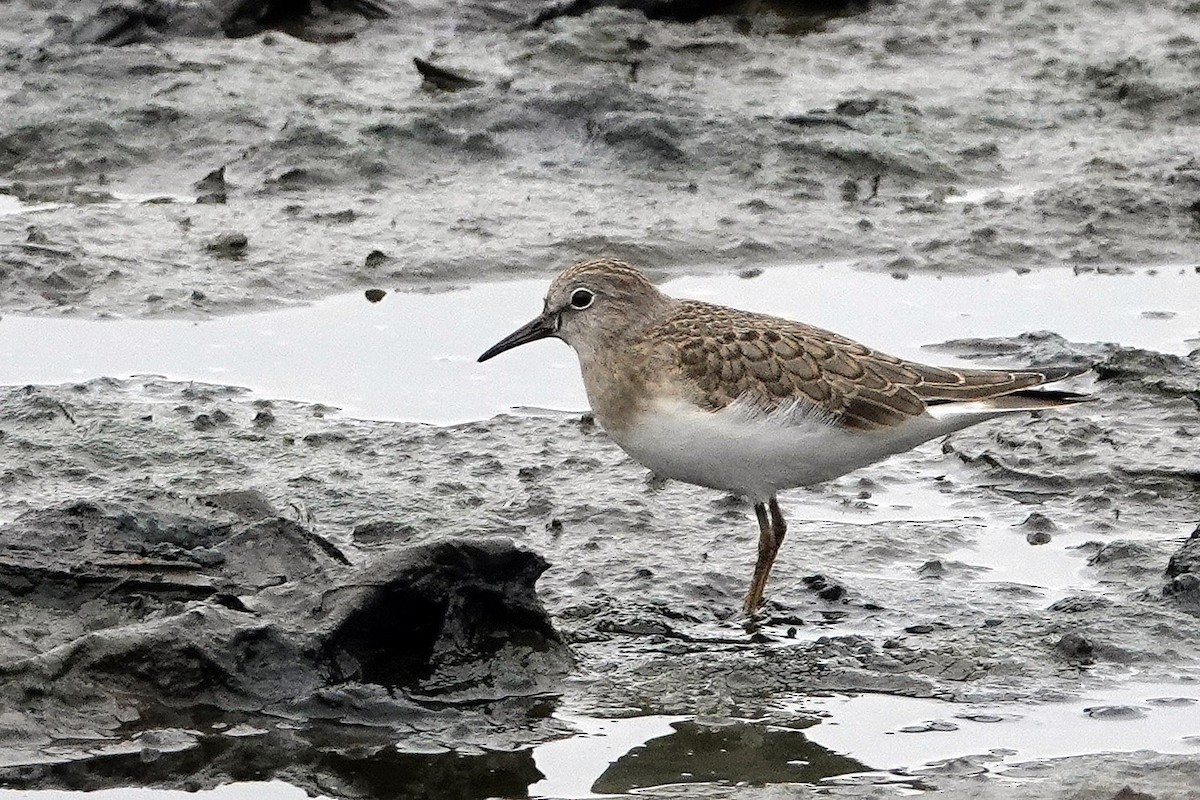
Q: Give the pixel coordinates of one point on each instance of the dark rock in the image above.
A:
(343, 217)
(88, 535)
(641, 135)
(1035, 347)
(229, 245)
(376, 258)
(266, 551)
(1074, 647)
(1039, 522)
(375, 295)
(824, 588)
(723, 754)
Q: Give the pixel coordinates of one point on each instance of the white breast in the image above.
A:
(756, 454)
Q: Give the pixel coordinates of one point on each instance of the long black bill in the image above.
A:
(540, 328)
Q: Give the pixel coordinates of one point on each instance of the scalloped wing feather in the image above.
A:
(770, 363)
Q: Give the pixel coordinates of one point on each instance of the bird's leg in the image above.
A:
(767, 547)
(778, 525)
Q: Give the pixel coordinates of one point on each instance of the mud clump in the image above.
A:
(1161, 372)
(229, 245)
(1183, 572)
(212, 189)
(1075, 648)
(136, 617)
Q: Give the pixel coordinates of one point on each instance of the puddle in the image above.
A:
(860, 738)
(982, 194)
(1056, 569)
(571, 766)
(617, 757)
(11, 206)
(863, 734)
(412, 356)
(890, 732)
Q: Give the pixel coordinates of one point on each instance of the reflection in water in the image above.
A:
(741, 752)
(337, 760)
(371, 768)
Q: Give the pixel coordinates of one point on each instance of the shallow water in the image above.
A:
(909, 733)
(865, 735)
(882, 733)
(412, 356)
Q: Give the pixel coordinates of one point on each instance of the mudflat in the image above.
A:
(206, 584)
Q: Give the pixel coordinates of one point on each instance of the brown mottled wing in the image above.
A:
(771, 363)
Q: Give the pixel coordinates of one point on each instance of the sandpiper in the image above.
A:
(754, 404)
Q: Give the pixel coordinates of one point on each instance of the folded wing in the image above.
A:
(768, 363)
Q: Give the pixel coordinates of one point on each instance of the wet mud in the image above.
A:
(905, 137)
(185, 589)
(204, 586)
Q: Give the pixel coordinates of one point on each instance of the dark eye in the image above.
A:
(581, 299)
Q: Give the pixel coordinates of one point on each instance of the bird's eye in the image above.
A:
(581, 299)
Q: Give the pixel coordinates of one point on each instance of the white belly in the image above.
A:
(757, 455)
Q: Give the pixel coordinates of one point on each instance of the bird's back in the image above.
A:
(753, 404)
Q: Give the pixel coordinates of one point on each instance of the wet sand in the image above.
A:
(1037, 574)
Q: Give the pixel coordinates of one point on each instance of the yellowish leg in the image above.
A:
(771, 529)
(778, 526)
(762, 568)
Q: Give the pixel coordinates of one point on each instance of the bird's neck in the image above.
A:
(618, 367)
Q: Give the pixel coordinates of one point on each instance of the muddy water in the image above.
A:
(1017, 571)
(412, 356)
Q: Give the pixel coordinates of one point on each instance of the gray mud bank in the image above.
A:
(203, 586)
(937, 135)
